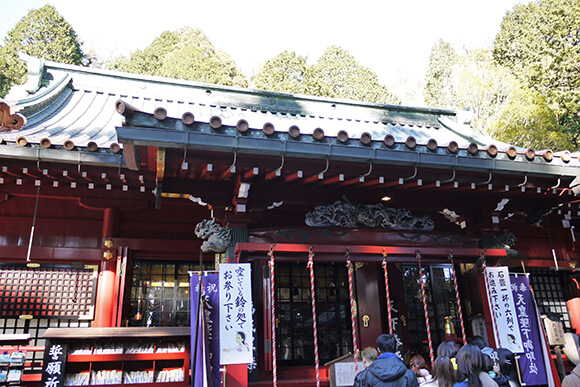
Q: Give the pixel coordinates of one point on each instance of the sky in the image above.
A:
(392, 38)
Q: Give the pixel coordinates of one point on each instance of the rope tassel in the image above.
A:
(273, 322)
(314, 326)
(388, 294)
(352, 311)
(458, 300)
(431, 354)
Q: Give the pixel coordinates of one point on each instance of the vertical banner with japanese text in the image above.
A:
(502, 308)
(235, 293)
(532, 361)
(210, 282)
(53, 369)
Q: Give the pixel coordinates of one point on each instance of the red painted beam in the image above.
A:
(51, 254)
(390, 250)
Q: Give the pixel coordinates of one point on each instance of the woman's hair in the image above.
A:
(448, 349)
(469, 365)
(507, 364)
(443, 372)
(243, 336)
(419, 363)
(487, 362)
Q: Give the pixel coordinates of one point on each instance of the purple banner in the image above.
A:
(210, 303)
(531, 361)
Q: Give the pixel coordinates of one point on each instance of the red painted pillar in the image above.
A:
(106, 297)
(236, 375)
(573, 305)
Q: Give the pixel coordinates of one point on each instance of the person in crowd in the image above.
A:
(389, 369)
(573, 379)
(490, 364)
(443, 373)
(368, 356)
(478, 341)
(419, 367)
(470, 371)
(448, 349)
(507, 368)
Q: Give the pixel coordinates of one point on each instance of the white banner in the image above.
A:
(502, 308)
(235, 313)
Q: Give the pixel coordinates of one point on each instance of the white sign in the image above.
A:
(236, 338)
(555, 331)
(502, 308)
(344, 373)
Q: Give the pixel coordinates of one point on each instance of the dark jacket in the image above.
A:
(359, 379)
(389, 370)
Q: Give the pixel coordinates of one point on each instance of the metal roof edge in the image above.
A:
(224, 142)
(62, 156)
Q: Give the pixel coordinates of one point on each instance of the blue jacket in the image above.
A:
(389, 370)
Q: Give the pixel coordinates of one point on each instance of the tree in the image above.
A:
(337, 74)
(183, 54)
(528, 121)
(540, 44)
(437, 90)
(42, 33)
(285, 73)
(503, 107)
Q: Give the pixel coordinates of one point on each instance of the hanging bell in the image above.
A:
(449, 327)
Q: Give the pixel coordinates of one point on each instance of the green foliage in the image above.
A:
(437, 89)
(42, 33)
(540, 44)
(183, 54)
(483, 87)
(503, 107)
(284, 73)
(528, 121)
(336, 74)
(12, 71)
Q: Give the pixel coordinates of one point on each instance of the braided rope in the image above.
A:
(458, 300)
(388, 294)
(273, 322)
(431, 354)
(352, 312)
(314, 326)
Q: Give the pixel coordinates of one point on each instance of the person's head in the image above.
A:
(443, 372)
(386, 343)
(507, 364)
(417, 363)
(448, 349)
(478, 341)
(368, 355)
(240, 338)
(489, 359)
(469, 365)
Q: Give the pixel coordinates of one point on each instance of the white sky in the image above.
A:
(393, 38)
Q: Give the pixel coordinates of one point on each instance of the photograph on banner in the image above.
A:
(501, 303)
(235, 293)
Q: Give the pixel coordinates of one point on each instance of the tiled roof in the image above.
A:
(78, 104)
